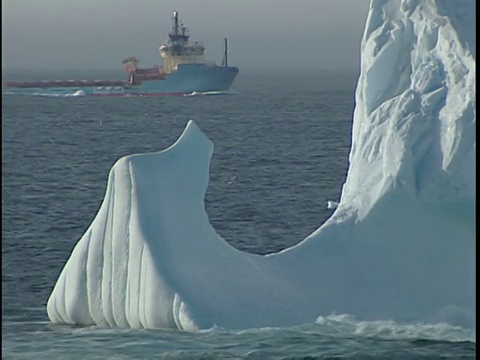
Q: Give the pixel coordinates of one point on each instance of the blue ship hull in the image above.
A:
(189, 78)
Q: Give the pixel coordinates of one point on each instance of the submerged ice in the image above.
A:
(400, 244)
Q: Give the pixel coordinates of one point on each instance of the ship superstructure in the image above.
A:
(178, 50)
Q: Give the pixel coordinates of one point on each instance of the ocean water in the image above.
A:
(281, 153)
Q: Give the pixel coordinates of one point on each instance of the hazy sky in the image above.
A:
(262, 34)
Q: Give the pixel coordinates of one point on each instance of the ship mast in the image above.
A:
(175, 25)
(225, 53)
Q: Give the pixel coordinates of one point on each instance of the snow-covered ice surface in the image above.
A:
(400, 245)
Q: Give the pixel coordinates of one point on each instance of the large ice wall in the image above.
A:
(400, 244)
(414, 122)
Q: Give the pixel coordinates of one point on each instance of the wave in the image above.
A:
(223, 92)
(343, 326)
(393, 330)
(78, 93)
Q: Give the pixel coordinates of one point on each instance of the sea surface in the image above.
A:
(281, 153)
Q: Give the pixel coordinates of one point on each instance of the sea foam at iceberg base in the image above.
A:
(400, 245)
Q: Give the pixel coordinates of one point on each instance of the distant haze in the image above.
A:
(262, 34)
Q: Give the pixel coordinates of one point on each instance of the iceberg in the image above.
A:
(399, 245)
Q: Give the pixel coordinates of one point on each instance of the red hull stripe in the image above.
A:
(141, 94)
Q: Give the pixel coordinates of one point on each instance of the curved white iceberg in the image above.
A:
(399, 245)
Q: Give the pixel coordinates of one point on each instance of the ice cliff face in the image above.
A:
(414, 124)
(399, 246)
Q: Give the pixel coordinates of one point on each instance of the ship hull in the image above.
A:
(189, 78)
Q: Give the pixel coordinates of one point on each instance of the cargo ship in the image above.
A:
(184, 71)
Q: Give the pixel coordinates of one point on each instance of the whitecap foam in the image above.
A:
(393, 330)
(332, 204)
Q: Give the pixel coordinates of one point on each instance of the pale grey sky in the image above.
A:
(263, 34)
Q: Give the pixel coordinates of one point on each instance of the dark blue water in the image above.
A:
(281, 152)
